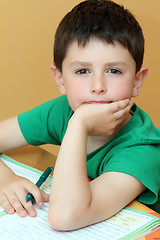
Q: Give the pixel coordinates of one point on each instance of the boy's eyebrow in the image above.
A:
(108, 64)
(81, 63)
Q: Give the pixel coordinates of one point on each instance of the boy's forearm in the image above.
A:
(71, 201)
(70, 194)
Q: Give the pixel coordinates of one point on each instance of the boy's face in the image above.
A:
(98, 73)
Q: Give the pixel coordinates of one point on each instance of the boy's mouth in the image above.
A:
(98, 102)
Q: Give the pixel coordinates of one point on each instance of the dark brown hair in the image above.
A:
(104, 20)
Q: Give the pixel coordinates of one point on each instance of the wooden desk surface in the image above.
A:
(33, 156)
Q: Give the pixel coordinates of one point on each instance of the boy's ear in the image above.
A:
(140, 76)
(59, 79)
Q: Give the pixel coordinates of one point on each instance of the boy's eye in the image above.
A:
(114, 71)
(82, 71)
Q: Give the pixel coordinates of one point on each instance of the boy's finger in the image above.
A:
(122, 113)
(124, 106)
(4, 203)
(30, 209)
(20, 211)
(35, 191)
(45, 196)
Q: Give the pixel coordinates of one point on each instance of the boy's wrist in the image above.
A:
(78, 122)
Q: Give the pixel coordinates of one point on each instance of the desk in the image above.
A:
(39, 158)
(33, 156)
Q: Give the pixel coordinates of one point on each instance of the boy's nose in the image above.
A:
(98, 86)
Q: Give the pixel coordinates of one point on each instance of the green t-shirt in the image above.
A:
(135, 150)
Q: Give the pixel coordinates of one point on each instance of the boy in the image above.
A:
(98, 55)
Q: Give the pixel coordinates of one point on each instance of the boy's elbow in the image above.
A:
(55, 221)
(62, 220)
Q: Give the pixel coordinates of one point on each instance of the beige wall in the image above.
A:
(27, 30)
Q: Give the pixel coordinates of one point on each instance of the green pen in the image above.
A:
(40, 181)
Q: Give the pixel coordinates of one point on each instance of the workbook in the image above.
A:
(129, 223)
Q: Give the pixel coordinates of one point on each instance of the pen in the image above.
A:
(40, 181)
(132, 110)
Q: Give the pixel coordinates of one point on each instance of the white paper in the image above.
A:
(15, 228)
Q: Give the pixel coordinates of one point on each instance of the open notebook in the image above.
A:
(129, 223)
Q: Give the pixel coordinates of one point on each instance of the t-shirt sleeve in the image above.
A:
(46, 123)
(142, 162)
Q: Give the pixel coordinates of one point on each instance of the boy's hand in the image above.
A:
(13, 192)
(103, 119)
